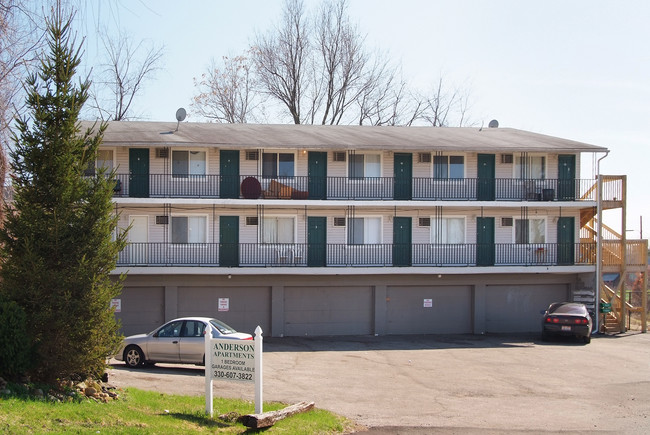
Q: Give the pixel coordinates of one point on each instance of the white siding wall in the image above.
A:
(338, 235)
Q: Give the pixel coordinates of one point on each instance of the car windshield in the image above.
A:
(569, 309)
(221, 327)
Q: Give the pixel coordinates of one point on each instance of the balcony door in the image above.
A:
(485, 189)
(317, 171)
(229, 171)
(401, 241)
(139, 172)
(565, 240)
(138, 237)
(228, 241)
(566, 183)
(316, 241)
(403, 173)
(485, 241)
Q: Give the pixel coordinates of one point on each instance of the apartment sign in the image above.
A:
(233, 360)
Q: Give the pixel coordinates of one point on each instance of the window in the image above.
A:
(276, 165)
(530, 231)
(189, 229)
(448, 167)
(448, 230)
(172, 329)
(278, 230)
(105, 159)
(364, 165)
(188, 163)
(531, 167)
(364, 231)
(193, 328)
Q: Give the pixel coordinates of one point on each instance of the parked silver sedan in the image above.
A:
(177, 341)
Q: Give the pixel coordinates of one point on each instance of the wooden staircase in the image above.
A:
(610, 323)
(619, 256)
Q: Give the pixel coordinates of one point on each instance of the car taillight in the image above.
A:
(582, 321)
(249, 338)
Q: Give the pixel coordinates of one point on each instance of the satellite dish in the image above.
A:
(493, 124)
(181, 114)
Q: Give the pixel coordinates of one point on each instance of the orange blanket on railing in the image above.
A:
(279, 190)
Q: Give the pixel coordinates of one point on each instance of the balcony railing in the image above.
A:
(345, 188)
(343, 255)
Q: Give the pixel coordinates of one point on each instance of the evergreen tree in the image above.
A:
(59, 241)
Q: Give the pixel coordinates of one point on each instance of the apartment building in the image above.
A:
(350, 230)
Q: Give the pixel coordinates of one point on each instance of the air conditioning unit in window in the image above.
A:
(251, 220)
(506, 158)
(162, 220)
(252, 155)
(339, 221)
(162, 153)
(506, 221)
(424, 222)
(424, 157)
(338, 156)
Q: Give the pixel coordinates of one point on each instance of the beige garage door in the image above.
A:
(516, 308)
(318, 311)
(429, 310)
(142, 309)
(243, 308)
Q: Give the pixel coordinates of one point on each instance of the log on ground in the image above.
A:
(266, 419)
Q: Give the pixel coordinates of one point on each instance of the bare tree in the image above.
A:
(344, 61)
(127, 69)
(281, 59)
(227, 92)
(318, 70)
(443, 107)
(21, 36)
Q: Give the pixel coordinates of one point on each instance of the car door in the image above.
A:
(164, 345)
(192, 344)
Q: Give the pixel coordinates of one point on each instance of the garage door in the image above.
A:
(429, 310)
(243, 308)
(142, 309)
(517, 308)
(328, 311)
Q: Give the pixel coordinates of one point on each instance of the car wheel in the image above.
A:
(133, 356)
(587, 339)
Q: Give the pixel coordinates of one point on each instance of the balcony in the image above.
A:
(345, 188)
(343, 255)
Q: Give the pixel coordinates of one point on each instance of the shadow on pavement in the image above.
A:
(397, 342)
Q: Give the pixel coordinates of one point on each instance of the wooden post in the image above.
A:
(257, 421)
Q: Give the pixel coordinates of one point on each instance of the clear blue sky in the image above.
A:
(573, 69)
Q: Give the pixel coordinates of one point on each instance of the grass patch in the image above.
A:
(146, 412)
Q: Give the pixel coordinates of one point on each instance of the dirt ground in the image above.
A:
(444, 384)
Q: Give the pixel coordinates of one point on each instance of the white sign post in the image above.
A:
(233, 360)
(258, 370)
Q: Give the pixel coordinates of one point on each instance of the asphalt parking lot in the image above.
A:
(445, 384)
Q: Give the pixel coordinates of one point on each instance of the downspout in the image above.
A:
(599, 243)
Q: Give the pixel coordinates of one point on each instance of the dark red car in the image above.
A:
(568, 319)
